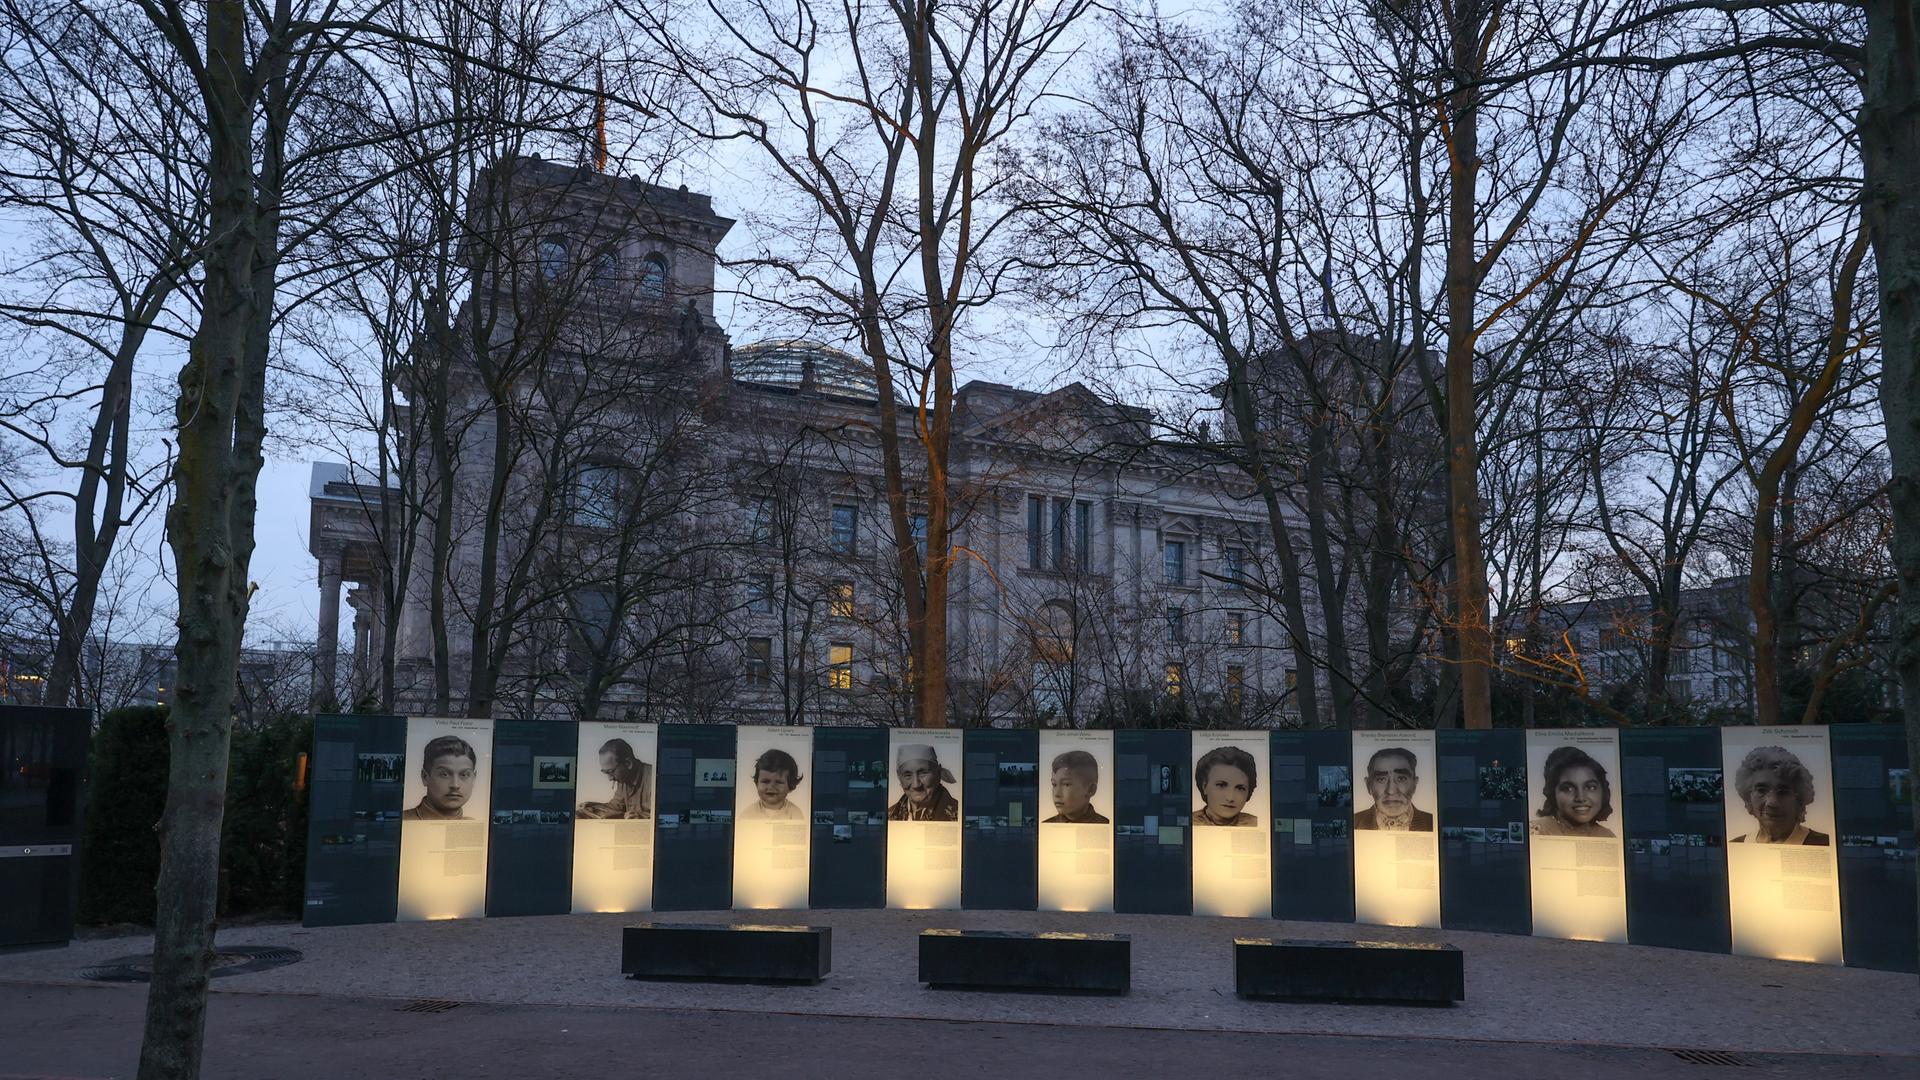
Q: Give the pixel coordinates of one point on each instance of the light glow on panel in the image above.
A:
(1396, 838)
(923, 819)
(443, 830)
(614, 810)
(773, 799)
(1576, 846)
(1076, 834)
(1783, 878)
(1232, 824)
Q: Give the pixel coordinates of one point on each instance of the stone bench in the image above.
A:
(730, 952)
(1015, 960)
(1356, 971)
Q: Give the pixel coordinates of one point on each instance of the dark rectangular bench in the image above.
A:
(746, 952)
(1015, 960)
(1359, 971)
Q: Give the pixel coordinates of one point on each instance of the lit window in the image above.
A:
(1236, 628)
(1174, 557)
(840, 600)
(845, 522)
(653, 277)
(1176, 679)
(553, 257)
(759, 661)
(1236, 684)
(840, 666)
(595, 496)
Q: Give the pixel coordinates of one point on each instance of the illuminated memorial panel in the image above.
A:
(772, 817)
(1576, 849)
(613, 841)
(1396, 847)
(443, 828)
(923, 819)
(1232, 845)
(1783, 883)
(1076, 839)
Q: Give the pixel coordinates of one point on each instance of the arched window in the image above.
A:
(553, 257)
(653, 277)
(606, 269)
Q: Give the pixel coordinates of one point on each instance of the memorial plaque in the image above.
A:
(1481, 788)
(530, 841)
(849, 818)
(1005, 800)
(1396, 844)
(1671, 784)
(1311, 778)
(1152, 807)
(693, 823)
(43, 758)
(1873, 802)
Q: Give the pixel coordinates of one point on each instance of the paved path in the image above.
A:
(547, 991)
(92, 1033)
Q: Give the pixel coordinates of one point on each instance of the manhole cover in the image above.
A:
(227, 960)
(1710, 1057)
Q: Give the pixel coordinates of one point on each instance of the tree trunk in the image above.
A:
(220, 415)
(1890, 154)
(1333, 599)
(1463, 453)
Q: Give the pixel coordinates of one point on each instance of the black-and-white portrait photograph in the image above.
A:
(625, 785)
(922, 785)
(1575, 796)
(1225, 779)
(1074, 783)
(447, 780)
(1391, 778)
(1777, 789)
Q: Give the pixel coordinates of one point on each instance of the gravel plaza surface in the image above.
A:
(1519, 989)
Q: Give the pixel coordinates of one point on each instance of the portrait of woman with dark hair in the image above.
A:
(1776, 788)
(1226, 777)
(1577, 796)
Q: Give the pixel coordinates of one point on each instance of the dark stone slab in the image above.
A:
(1358, 971)
(1014, 960)
(736, 952)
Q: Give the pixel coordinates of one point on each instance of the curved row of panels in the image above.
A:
(1790, 842)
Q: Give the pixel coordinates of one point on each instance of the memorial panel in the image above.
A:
(773, 814)
(693, 818)
(43, 759)
(530, 848)
(849, 818)
(923, 819)
(356, 784)
(1783, 879)
(1670, 783)
(1232, 845)
(1000, 846)
(1873, 803)
(443, 828)
(1312, 784)
(1153, 796)
(1076, 840)
(616, 771)
(1396, 848)
(1576, 844)
(1483, 805)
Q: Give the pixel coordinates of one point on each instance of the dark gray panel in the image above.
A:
(999, 860)
(1311, 777)
(1873, 808)
(693, 827)
(357, 781)
(849, 818)
(530, 839)
(43, 758)
(1152, 796)
(1670, 781)
(1484, 882)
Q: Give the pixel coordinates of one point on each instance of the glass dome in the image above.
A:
(784, 365)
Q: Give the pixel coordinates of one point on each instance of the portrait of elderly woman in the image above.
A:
(1578, 796)
(1777, 789)
(1226, 777)
(923, 786)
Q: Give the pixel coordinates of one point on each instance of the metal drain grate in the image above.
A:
(429, 1005)
(1711, 1057)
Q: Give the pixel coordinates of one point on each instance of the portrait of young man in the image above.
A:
(1392, 778)
(1076, 777)
(632, 781)
(448, 766)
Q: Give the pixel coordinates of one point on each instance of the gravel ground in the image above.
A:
(1518, 988)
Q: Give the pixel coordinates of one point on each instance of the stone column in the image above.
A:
(327, 651)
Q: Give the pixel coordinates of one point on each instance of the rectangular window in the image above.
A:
(1293, 679)
(594, 500)
(1176, 625)
(759, 521)
(917, 525)
(1174, 556)
(1036, 550)
(760, 661)
(1083, 534)
(1176, 679)
(840, 666)
(1236, 628)
(846, 522)
(592, 631)
(1233, 567)
(760, 594)
(840, 600)
(1057, 538)
(1236, 685)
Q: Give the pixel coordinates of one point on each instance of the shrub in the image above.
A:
(126, 794)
